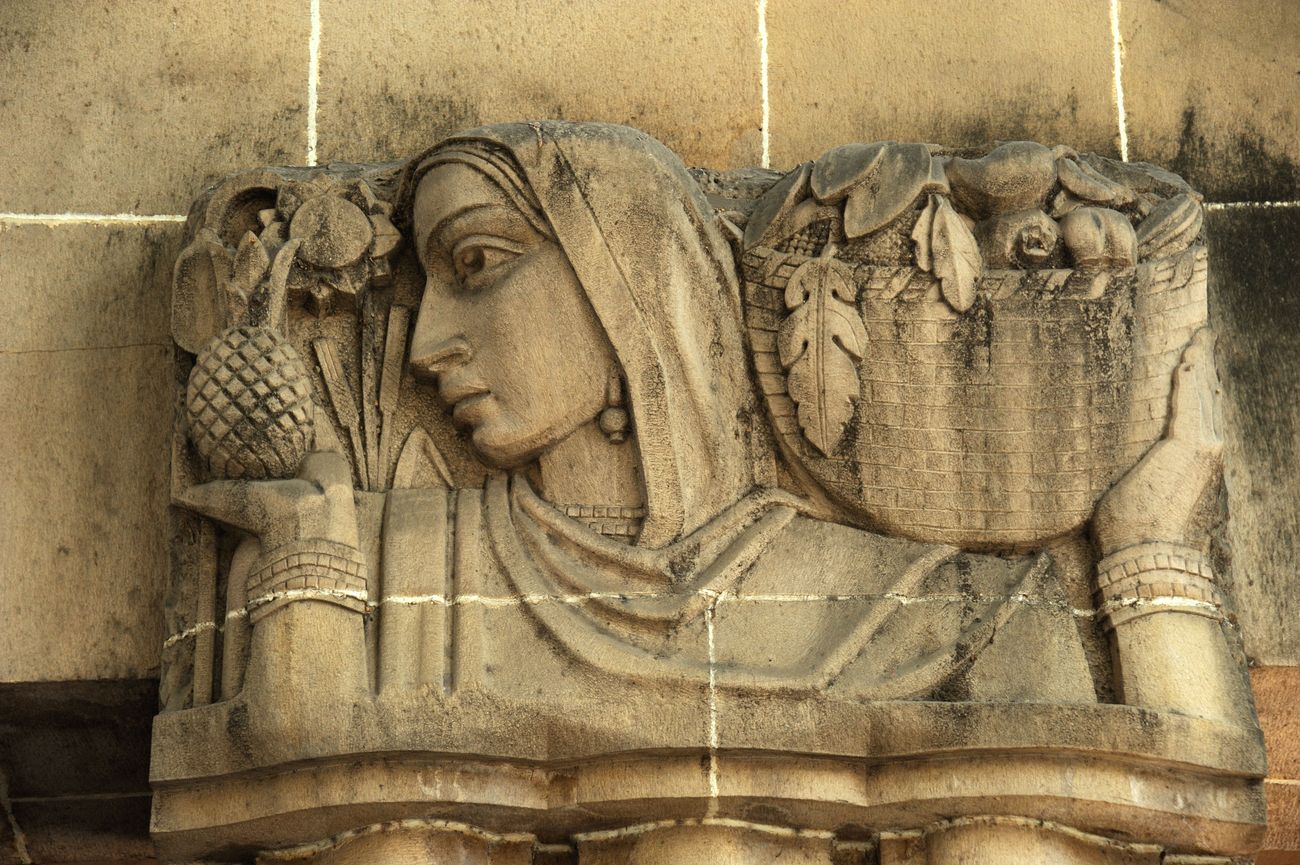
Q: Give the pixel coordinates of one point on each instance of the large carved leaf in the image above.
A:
(953, 254)
(819, 344)
(897, 178)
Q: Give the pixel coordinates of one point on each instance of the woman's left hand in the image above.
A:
(1157, 499)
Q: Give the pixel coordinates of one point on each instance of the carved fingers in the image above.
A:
(235, 503)
(1157, 499)
(318, 503)
(1195, 414)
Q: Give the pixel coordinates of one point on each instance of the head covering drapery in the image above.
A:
(645, 246)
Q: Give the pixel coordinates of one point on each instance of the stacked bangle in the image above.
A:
(1156, 577)
(311, 570)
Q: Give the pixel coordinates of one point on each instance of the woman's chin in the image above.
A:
(499, 448)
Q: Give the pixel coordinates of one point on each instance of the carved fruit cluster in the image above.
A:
(249, 405)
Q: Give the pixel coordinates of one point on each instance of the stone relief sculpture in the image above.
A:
(542, 500)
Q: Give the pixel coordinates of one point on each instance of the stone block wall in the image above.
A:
(116, 115)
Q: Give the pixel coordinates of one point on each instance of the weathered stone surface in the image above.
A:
(1282, 843)
(85, 516)
(86, 831)
(75, 755)
(79, 287)
(964, 74)
(685, 72)
(196, 90)
(1255, 306)
(1211, 93)
(1279, 716)
(84, 362)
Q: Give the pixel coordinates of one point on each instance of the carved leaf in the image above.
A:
(251, 263)
(899, 175)
(767, 216)
(819, 345)
(1171, 227)
(955, 255)
(1085, 182)
(838, 171)
(921, 235)
(198, 301)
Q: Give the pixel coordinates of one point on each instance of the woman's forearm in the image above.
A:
(1164, 612)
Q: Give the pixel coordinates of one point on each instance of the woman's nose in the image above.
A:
(429, 358)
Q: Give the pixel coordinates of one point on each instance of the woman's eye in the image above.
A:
(471, 261)
(475, 259)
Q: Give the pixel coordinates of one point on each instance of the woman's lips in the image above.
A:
(466, 407)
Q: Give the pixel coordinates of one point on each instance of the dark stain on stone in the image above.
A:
(1233, 166)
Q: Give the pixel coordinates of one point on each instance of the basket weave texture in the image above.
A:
(999, 427)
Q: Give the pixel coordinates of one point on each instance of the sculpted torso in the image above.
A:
(894, 425)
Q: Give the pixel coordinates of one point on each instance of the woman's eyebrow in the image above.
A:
(444, 228)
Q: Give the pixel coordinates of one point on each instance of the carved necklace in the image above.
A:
(612, 521)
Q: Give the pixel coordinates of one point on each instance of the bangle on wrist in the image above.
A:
(309, 570)
(1156, 577)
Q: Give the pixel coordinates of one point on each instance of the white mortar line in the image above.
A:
(306, 594)
(1172, 603)
(90, 218)
(539, 847)
(764, 88)
(709, 612)
(726, 822)
(1117, 60)
(1250, 205)
(1283, 782)
(310, 850)
(313, 80)
(186, 634)
(724, 598)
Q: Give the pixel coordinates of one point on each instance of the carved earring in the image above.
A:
(614, 419)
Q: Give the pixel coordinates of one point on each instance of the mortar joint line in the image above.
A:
(765, 131)
(313, 79)
(1117, 62)
(89, 218)
(716, 598)
(709, 613)
(1250, 205)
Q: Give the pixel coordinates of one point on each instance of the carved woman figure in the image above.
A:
(643, 566)
(582, 319)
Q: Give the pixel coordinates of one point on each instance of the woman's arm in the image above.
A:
(306, 588)
(1159, 598)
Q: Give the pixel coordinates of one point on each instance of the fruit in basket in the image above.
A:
(1015, 176)
(1098, 237)
(248, 404)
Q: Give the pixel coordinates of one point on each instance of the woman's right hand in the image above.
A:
(318, 504)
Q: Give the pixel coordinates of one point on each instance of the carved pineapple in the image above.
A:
(249, 405)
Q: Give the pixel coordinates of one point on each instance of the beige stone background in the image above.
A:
(116, 114)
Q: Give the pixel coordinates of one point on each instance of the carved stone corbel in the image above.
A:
(565, 505)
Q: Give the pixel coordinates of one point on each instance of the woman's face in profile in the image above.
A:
(504, 325)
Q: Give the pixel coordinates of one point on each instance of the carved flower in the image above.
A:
(345, 238)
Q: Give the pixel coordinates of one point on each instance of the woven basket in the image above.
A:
(996, 428)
